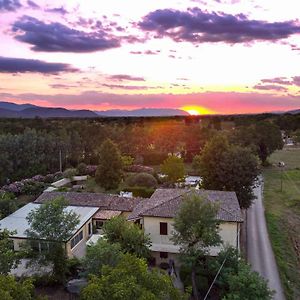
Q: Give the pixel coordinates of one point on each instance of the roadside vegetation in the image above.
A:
(283, 216)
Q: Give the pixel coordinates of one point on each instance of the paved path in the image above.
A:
(259, 250)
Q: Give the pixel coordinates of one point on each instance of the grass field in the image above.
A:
(282, 210)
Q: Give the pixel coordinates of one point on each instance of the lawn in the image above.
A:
(282, 209)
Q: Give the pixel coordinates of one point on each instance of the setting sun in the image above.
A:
(195, 110)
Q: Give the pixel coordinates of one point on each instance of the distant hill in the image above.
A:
(32, 111)
(143, 112)
(294, 112)
(14, 106)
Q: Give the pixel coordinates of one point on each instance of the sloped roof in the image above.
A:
(103, 201)
(18, 223)
(166, 202)
(106, 214)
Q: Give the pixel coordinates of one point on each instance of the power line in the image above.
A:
(221, 267)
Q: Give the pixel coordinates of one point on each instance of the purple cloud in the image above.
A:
(9, 5)
(271, 87)
(126, 87)
(277, 80)
(197, 26)
(57, 10)
(56, 37)
(21, 65)
(296, 80)
(123, 77)
(32, 4)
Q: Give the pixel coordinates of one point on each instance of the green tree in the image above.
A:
(54, 224)
(196, 230)
(130, 279)
(229, 168)
(9, 259)
(247, 285)
(8, 204)
(10, 289)
(109, 170)
(173, 167)
(142, 179)
(101, 254)
(129, 235)
(127, 161)
(263, 137)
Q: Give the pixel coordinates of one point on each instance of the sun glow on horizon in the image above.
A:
(195, 110)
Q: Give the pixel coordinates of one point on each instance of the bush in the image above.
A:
(142, 179)
(138, 191)
(70, 173)
(82, 169)
(57, 176)
(91, 170)
(154, 157)
(73, 267)
(49, 178)
(34, 188)
(139, 169)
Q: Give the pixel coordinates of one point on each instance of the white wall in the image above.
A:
(228, 233)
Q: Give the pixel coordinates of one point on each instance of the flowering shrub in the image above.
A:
(15, 187)
(39, 178)
(91, 170)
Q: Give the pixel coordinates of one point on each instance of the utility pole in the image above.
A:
(60, 162)
(281, 165)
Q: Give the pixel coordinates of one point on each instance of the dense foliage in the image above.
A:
(130, 279)
(131, 238)
(196, 229)
(228, 167)
(9, 259)
(100, 254)
(54, 224)
(142, 179)
(173, 167)
(109, 170)
(11, 289)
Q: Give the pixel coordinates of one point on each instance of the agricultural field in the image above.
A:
(282, 209)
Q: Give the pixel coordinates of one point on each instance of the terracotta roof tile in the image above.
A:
(166, 202)
(103, 201)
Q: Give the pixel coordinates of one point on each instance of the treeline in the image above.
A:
(30, 147)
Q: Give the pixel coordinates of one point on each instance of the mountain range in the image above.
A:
(13, 110)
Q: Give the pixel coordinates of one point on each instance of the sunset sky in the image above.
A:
(218, 56)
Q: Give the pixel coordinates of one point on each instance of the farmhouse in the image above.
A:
(155, 215)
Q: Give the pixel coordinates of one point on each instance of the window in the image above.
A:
(76, 239)
(99, 224)
(90, 229)
(163, 228)
(163, 254)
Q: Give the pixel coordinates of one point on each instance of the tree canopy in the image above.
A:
(102, 254)
(11, 289)
(9, 259)
(173, 167)
(229, 168)
(196, 230)
(8, 204)
(130, 279)
(129, 235)
(54, 225)
(109, 170)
